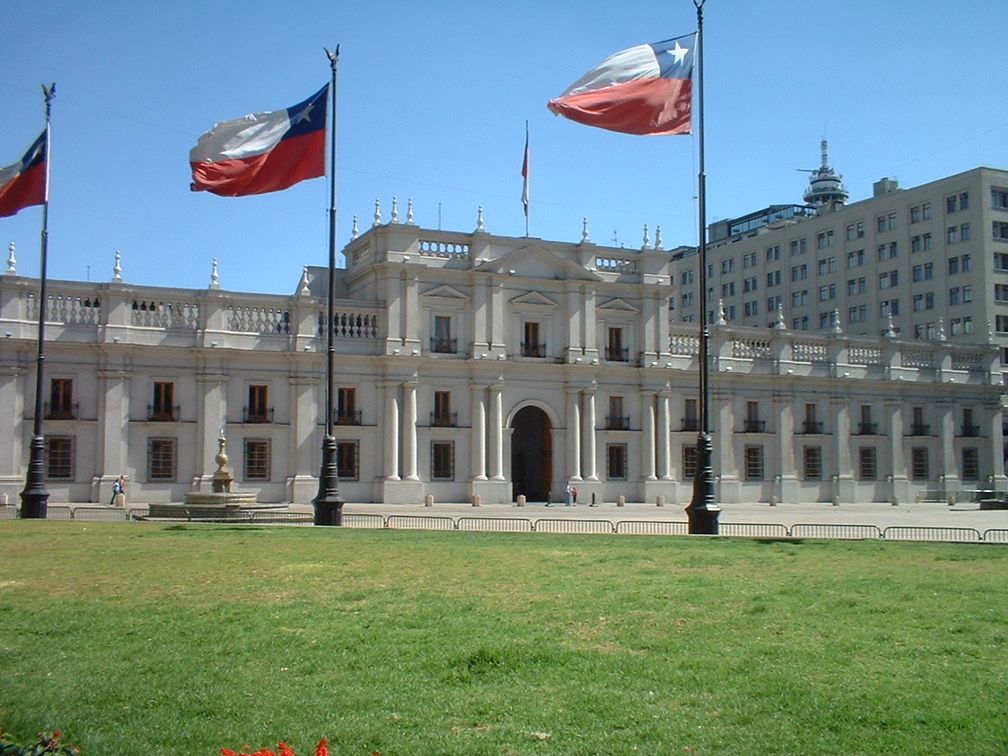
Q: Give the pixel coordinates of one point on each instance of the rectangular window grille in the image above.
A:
(616, 461)
(919, 463)
(689, 462)
(347, 456)
(970, 463)
(867, 463)
(59, 457)
(161, 458)
(813, 463)
(754, 462)
(257, 459)
(442, 460)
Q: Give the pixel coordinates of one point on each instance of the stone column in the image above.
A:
(947, 463)
(900, 490)
(843, 471)
(663, 440)
(304, 441)
(648, 440)
(497, 432)
(409, 431)
(995, 431)
(573, 434)
(113, 427)
(211, 419)
(477, 445)
(391, 431)
(588, 435)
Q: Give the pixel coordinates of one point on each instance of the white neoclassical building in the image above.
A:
(474, 364)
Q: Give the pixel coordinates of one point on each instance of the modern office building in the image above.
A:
(474, 364)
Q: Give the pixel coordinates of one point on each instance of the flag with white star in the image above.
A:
(262, 152)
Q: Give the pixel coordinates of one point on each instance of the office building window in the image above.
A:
(442, 460)
(1000, 231)
(799, 247)
(161, 458)
(855, 259)
(348, 460)
(999, 198)
(59, 457)
(257, 459)
(616, 461)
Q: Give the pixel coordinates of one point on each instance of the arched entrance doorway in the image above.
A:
(531, 454)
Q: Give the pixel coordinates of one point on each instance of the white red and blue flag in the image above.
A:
(24, 183)
(646, 90)
(262, 152)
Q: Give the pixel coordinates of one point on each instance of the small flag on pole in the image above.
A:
(262, 152)
(24, 183)
(525, 174)
(646, 90)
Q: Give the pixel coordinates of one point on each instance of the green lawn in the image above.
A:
(170, 639)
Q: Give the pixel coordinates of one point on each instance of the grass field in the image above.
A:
(156, 639)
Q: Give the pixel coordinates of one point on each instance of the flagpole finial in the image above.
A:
(333, 56)
(49, 91)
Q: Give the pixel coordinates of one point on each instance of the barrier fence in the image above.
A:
(825, 531)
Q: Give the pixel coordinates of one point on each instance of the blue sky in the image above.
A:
(433, 99)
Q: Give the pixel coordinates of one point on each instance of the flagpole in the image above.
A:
(35, 497)
(525, 179)
(702, 511)
(328, 503)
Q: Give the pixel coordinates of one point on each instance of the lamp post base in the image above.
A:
(702, 513)
(328, 503)
(35, 497)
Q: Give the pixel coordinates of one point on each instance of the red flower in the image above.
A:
(284, 750)
(321, 749)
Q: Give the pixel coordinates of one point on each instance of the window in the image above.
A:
(347, 460)
(888, 251)
(813, 463)
(257, 459)
(915, 245)
(687, 277)
(750, 284)
(866, 427)
(824, 240)
(728, 289)
(953, 265)
(888, 279)
(799, 298)
(799, 247)
(954, 296)
(753, 462)
(826, 293)
(616, 461)
(919, 463)
(59, 457)
(164, 402)
(1001, 293)
(690, 421)
(616, 420)
(799, 272)
(442, 460)
(856, 286)
(749, 260)
(346, 406)
(928, 243)
(753, 424)
(442, 416)
(968, 427)
(812, 425)
(999, 198)
(773, 253)
(1001, 323)
(965, 260)
(970, 463)
(532, 347)
(615, 350)
(61, 403)
(827, 265)
(688, 299)
(857, 314)
(773, 303)
(867, 466)
(727, 265)
(773, 278)
(1001, 262)
(885, 222)
(1000, 230)
(967, 294)
(855, 231)
(888, 307)
(689, 462)
(800, 324)
(161, 458)
(751, 308)
(442, 342)
(258, 410)
(950, 204)
(915, 214)
(855, 259)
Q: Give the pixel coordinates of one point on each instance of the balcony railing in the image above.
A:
(867, 429)
(444, 420)
(533, 350)
(62, 411)
(443, 346)
(691, 424)
(920, 429)
(754, 426)
(159, 414)
(617, 422)
(617, 354)
(257, 415)
(970, 431)
(351, 417)
(812, 427)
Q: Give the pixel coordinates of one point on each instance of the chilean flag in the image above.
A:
(262, 152)
(24, 183)
(647, 90)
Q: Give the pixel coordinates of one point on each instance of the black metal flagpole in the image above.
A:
(702, 511)
(328, 503)
(35, 497)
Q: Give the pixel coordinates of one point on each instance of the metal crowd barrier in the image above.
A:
(835, 532)
(946, 535)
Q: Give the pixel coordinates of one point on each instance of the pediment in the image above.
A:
(444, 291)
(533, 261)
(618, 305)
(533, 299)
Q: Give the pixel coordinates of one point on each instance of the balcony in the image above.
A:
(970, 431)
(62, 411)
(443, 346)
(867, 429)
(444, 420)
(160, 414)
(754, 426)
(691, 424)
(920, 429)
(257, 415)
(347, 417)
(617, 422)
(617, 354)
(812, 427)
(533, 350)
